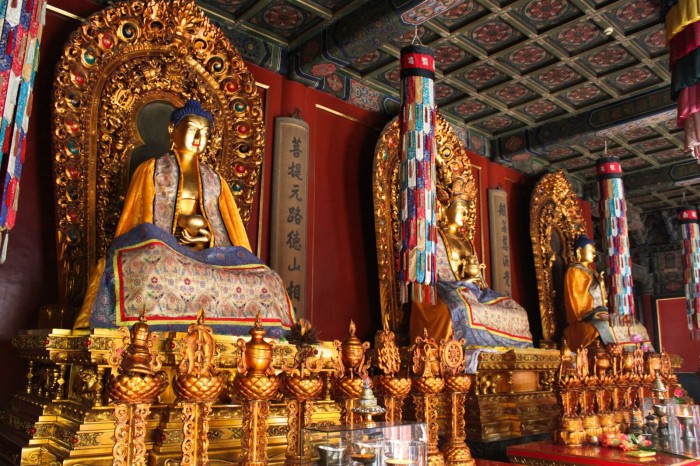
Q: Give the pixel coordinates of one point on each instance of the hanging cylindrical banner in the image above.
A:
(613, 210)
(690, 236)
(418, 225)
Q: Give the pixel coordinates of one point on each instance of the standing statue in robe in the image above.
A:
(180, 245)
(465, 305)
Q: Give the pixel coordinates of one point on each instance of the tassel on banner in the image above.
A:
(417, 194)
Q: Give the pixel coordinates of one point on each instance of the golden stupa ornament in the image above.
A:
(255, 386)
(350, 370)
(427, 383)
(198, 384)
(390, 386)
(367, 405)
(135, 383)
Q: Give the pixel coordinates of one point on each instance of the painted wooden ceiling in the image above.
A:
(533, 84)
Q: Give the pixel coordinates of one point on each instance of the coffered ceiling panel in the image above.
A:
(544, 83)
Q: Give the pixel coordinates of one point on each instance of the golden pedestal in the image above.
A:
(513, 395)
(62, 415)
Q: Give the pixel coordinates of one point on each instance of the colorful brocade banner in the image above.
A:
(690, 237)
(682, 19)
(613, 210)
(22, 23)
(417, 217)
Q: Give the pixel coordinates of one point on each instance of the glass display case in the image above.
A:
(379, 444)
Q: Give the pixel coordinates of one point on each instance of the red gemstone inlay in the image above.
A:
(78, 78)
(231, 86)
(107, 41)
(72, 171)
(240, 168)
(243, 128)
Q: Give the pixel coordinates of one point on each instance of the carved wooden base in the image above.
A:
(455, 450)
(298, 415)
(130, 434)
(195, 427)
(426, 411)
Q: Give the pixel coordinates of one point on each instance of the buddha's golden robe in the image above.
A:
(154, 198)
(141, 199)
(582, 294)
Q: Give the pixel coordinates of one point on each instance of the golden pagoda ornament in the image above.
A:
(390, 386)
(134, 384)
(350, 371)
(255, 385)
(198, 384)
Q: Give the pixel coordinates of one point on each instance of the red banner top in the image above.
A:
(417, 60)
(687, 214)
(609, 168)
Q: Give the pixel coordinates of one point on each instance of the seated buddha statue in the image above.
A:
(465, 304)
(180, 246)
(585, 301)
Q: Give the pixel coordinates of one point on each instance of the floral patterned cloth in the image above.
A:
(147, 269)
(481, 317)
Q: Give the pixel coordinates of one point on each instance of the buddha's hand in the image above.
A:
(601, 313)
(193, 231)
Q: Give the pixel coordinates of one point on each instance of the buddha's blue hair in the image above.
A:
(191, 107)
(582, 241)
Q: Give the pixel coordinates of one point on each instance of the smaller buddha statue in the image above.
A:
(466, 306)
(585, 297)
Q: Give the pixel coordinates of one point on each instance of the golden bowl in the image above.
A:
(200, 389)
(302, 388)
(392, 386)
(428, 385)
(137, 388)
(257, 387)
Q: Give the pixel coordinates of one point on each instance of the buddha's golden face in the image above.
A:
(586, 253)
(191, 135)
(457, 213)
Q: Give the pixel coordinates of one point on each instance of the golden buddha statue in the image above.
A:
(180, 245)
(465, 304)
(586, 301)
(585, 297)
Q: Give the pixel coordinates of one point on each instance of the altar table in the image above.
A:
(545, 453)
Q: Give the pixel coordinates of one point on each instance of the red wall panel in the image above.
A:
(674, 336)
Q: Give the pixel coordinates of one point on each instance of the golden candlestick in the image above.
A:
(301, 384)
(136, 381)
(197, 385)
(570, 428)
(427, 383)
(350, 370)
(390, 387)
(457, 385)
(255, 386)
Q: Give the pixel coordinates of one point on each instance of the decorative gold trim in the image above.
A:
(65, 13)
(481, 216)
(118, 61)
(553, 205)
(347, 117)
(385, 186)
